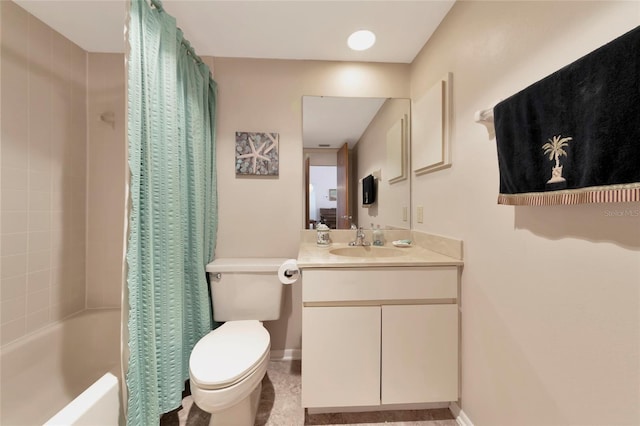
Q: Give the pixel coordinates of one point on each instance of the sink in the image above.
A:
(368, 251)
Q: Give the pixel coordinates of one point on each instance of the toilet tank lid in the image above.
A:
(261, 264)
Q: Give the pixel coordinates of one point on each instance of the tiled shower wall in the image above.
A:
(106, 178)
(43, 178)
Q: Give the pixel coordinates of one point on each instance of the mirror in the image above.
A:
(345, 140)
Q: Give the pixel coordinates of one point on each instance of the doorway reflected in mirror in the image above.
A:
(322, 208)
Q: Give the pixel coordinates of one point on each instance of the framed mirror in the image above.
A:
(346, 139)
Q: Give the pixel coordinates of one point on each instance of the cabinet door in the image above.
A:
(419, 353)
(340, 356)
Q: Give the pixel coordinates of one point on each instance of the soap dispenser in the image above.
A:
(378, 236)
(323, 235)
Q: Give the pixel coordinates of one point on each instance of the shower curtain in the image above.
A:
(173, 217)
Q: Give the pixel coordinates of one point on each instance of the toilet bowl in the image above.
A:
(227, 365)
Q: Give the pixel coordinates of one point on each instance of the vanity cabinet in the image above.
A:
(375, 336)
(419, 353)
(341, 356)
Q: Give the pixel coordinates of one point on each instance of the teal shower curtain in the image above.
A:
(171, 107)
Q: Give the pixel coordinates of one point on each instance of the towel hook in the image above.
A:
(485, 117)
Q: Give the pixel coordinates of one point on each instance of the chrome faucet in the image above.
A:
(360, 238)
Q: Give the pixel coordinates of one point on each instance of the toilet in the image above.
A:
(227, 365)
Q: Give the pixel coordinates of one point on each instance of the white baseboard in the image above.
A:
(461, 417)
(385, 407)
(286, 354)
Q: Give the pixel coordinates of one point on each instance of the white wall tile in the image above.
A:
(106, 174)
(39, 180)
(12, 330)
(37, 301)
(41, 144)
(13, 178)
(14, 129)
(14, 221)
(40, 87)
(13, 309)
(13, 287)
(38, 43)
(39, 280)
(13, 265)
(37, 320)
(59, 218)
(39, 240)
(13, 244)
(77, 302)
(14, 199)
(39, 200)
(39, 221)
(38, 261)
(57, 295)
(56, 313)
(56, 276)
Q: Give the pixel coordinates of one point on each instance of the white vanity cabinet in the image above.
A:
(419, 353)
(376, 336)
(341, 356)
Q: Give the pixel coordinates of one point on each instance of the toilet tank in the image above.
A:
(246, 289)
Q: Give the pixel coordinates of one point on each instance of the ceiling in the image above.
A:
(297, 29)
(334, 121)
(300, 29)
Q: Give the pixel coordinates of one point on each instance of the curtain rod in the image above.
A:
(184, 43)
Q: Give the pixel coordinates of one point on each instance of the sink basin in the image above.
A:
(368, 251)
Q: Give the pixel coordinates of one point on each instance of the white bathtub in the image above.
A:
(43, 372)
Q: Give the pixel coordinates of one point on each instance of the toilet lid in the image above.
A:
(228, 353)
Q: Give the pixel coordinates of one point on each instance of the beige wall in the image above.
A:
(550, 295)
(106, 162)
(43, 174)
(322, 156)
(263, 217)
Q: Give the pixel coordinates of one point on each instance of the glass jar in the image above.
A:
(323, 235)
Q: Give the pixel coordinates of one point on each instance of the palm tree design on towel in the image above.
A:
(555, 149)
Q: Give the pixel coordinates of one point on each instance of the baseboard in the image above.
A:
(286, 354)
(385, 407)
(461, 417)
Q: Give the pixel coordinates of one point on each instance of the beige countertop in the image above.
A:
(311, 255)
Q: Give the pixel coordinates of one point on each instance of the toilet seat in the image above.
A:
(228, 354)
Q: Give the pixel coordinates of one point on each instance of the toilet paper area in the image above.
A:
(288, 272)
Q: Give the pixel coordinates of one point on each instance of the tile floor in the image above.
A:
(280, 406)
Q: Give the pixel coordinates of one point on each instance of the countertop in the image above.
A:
(311, 255)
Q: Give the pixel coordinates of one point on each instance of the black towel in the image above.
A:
(574, 137)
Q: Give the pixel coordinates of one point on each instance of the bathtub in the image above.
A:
(43, 372)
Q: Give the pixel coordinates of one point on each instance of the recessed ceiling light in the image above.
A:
(361, 40)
